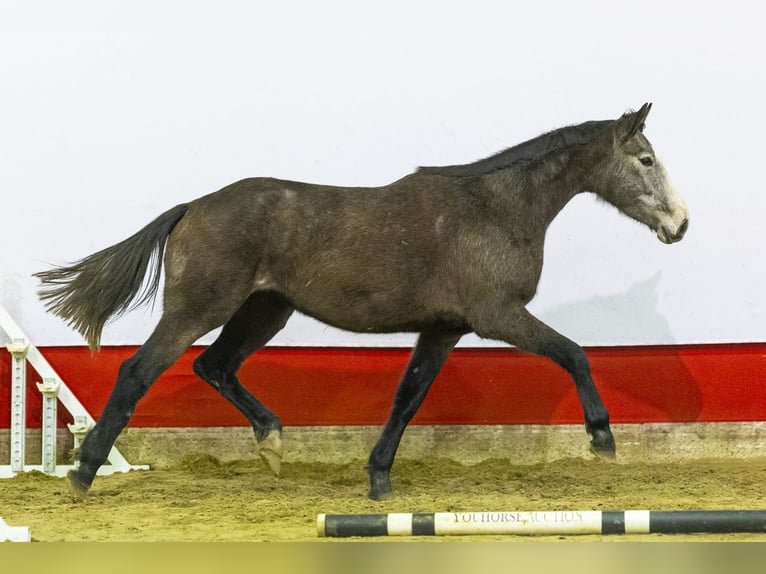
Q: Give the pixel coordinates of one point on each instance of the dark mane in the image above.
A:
(530, 151)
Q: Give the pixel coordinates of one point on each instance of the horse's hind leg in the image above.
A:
(259, 318)
(431, 351)
(170, 338)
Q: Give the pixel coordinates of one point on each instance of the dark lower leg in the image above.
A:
(532, 335)
(427, 359)
(224, 380)
(596, 418)
(133, 380)
(170, 338)
(572, 358)
(257, 320)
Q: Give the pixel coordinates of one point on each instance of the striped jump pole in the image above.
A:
(545, 522)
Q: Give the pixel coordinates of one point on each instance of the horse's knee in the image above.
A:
(580, 362)
(571, 357)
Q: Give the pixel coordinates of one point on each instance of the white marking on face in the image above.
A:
(673, 215)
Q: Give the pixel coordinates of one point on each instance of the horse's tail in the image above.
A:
(89, 292)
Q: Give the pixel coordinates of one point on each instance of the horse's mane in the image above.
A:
(531, 151)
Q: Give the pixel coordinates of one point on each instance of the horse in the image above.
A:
(442, 252)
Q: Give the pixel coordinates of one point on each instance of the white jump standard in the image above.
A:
(546, 522)
(14, 533)
(53, 390)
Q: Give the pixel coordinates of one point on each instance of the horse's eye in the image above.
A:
(647, 161)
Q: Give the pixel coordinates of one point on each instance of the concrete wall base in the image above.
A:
(525, 444)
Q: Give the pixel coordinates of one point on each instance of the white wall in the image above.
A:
(111, 112)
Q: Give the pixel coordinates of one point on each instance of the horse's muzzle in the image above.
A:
(673, 236)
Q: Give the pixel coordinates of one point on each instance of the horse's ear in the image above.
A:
(640, 119)
(632, 123)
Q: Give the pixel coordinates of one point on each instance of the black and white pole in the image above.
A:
(545, 522)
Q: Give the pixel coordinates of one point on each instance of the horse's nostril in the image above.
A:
(682, 228)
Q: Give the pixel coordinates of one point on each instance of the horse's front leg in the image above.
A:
(521, 329)
(431, 351)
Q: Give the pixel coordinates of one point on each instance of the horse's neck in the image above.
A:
(536, 197)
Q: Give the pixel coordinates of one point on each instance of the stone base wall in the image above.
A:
(525, 444)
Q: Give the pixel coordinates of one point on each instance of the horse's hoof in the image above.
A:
(271, 450)
(381, 496)
(78, 485)
(602, 444)
(380, 485)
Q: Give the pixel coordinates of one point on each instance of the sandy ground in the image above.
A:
(205, 500)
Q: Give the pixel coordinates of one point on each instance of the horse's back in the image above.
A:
(363, 259)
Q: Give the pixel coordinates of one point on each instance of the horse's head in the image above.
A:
(634, 180)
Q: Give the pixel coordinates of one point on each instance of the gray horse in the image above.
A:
(443, 252)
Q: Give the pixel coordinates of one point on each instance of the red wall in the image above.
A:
(342, 386)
